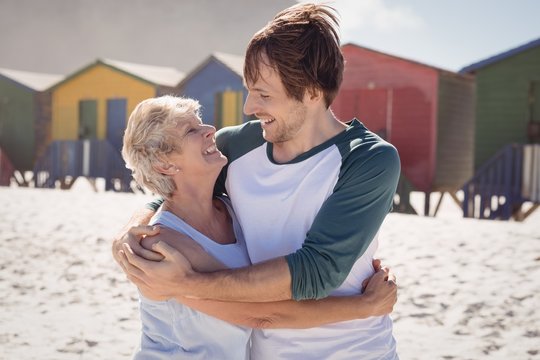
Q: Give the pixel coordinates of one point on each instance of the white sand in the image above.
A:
(468, 288)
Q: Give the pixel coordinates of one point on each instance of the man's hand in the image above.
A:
(381, 291)
(133, 232)
(157, 280)
(133, 238)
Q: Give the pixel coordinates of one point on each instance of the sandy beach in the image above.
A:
(466, 287)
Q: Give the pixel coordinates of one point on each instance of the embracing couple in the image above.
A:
(265, 233)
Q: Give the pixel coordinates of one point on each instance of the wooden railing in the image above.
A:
(502, 184)
(66, 160)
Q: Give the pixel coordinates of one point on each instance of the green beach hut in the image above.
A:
(25, 115)
(507, 100)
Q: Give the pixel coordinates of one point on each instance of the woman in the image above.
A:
(172, 153)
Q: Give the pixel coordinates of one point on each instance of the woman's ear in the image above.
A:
(166, 168)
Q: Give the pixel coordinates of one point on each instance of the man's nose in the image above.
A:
(249, 106)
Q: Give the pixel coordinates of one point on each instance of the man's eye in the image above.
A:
(264, 96)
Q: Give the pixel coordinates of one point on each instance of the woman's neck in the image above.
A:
(191, 204)
(203, 212)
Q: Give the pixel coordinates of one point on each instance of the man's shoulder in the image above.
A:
(248, 129)
(366, 156)
(235, 141)
(360, 142)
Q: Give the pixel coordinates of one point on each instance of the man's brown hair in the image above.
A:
(302, 44)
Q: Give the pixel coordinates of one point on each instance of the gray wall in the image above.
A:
(61, 36)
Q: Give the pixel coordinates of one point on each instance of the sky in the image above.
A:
(61, 36)
(449, 34)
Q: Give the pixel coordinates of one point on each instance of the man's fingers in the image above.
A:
(379, 276)
(377, 264)
(145, 253)
(365, 283)
(144, 230)
(133, 258)
(164, 249)
(392, 278)
(133, 273)
(134, 240)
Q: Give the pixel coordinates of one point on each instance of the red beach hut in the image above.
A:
(426, 112)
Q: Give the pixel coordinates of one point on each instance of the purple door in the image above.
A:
(116, 121)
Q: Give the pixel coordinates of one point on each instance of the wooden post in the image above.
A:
(427, 203)
(438, 203)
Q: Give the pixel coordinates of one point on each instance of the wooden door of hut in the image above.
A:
(87, 119)
(116, 121)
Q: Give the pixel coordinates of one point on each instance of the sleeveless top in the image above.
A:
(171, 330)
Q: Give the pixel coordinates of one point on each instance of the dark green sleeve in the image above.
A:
(154, 205)
(222, 142)
(346, 223)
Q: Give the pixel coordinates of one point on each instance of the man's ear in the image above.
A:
(313, 95)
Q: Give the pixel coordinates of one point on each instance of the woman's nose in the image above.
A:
(209, 130)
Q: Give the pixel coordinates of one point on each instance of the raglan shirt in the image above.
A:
(332, 199)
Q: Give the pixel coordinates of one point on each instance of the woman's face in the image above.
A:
(197, 154)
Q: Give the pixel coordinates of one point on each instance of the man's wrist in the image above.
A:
(191, 285)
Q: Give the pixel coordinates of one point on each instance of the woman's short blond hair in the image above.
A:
(151, 134)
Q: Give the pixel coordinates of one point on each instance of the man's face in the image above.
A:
(281, 117)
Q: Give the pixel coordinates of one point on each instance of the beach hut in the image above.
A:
(426, 112)
(24, 116)
(218, 85)
(506, 147)
(93, 105)
(94, 102)
(507, 100)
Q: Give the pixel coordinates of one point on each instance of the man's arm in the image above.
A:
(347, 222)
(378, 299)
(174, 275)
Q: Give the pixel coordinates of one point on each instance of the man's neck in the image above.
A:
(314, 133)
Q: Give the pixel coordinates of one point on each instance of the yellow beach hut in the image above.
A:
(94, 102)
(89, 113)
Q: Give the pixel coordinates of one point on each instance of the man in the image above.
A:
(309, 191)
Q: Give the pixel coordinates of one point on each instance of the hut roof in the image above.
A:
(159, 75)
(32, 80)
(502, 56)
(155, 75)
(235, 63)
(408, 60)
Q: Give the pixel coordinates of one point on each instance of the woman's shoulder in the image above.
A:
(198, 257)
